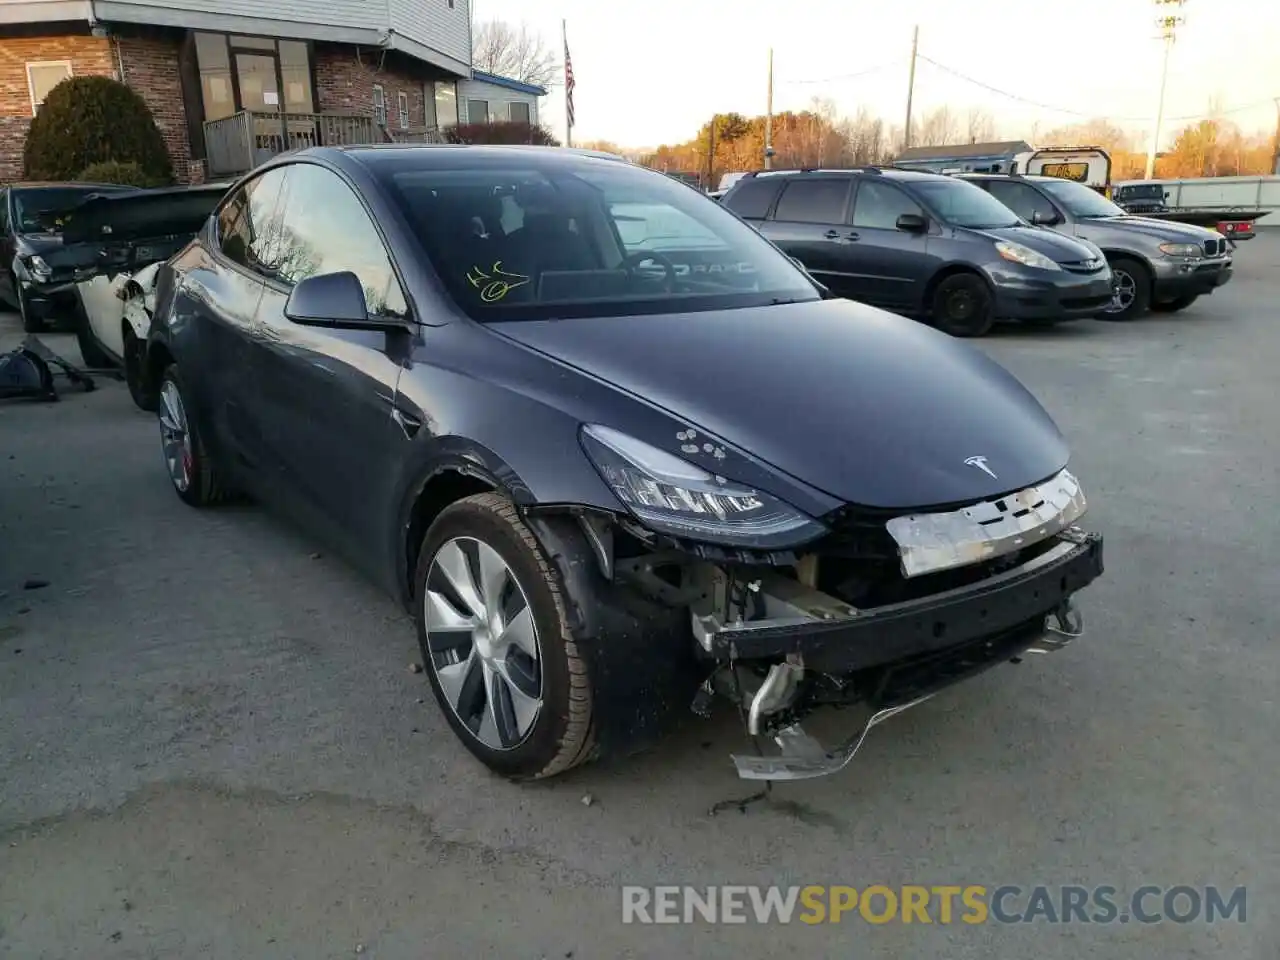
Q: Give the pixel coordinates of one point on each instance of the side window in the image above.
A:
(1025, 201)
(879, 205)
(247, 223)
(817, 200)
(752, 198)
(325, 229)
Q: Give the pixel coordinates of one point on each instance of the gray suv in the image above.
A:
(1158, 264)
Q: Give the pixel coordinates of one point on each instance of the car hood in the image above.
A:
(869, 407)
(1165, 231)
(1055, 246)
(37, 243)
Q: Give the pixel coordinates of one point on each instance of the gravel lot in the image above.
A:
(211, 744)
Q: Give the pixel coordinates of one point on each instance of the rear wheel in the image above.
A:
(496, 643)
(1173, 306)
(962, 306)
(1132, 290)
(191, 469)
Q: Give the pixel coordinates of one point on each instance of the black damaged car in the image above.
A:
(616, 452)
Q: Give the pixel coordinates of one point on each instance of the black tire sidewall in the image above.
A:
(134, 362)
(30, 323)
(467, 518)
(982, 320)
(93, 355)
(1141, 290)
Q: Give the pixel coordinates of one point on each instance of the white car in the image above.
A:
(113, 247)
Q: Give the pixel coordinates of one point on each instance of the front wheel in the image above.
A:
(1132, 290)
(496, 643)
(1173, 306)
(91, 353)
(135, 365)
(962, 306)
(30, 322)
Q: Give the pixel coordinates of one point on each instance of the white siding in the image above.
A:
(428, 29)
(497, 98)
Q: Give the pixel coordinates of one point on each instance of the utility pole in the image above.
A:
(711, 151)
(768, 118)
(1168, 24)
(911, 86)
(1275, 164)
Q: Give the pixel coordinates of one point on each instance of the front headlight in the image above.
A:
(1017, 253)
(40, 271)
(1181, 250)
(673, 496)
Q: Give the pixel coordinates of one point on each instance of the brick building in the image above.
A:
(229, 86)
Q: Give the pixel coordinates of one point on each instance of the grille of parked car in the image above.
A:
(1085, 266)
(1213, 248)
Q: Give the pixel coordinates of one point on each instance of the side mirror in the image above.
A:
(1042, 218)
(333, 300)
(913, 223)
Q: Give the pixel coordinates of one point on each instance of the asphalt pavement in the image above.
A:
(212, 744)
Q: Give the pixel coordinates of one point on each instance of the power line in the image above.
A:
(848, 76)
(1057, 109)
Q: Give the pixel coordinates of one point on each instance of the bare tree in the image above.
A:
(938, 128)
(981, 126)
(514, 51)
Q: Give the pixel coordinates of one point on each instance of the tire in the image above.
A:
(135, 366)
(192, 471)
(30, 322)
(1133, 290)
(962, 306)
(525, 737)
(1173, 306)
(94, 357)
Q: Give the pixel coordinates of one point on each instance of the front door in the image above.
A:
(893, 265)
(326, 396)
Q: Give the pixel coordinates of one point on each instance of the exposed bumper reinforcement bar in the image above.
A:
(802, 757)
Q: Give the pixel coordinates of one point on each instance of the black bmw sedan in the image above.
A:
(618, 454)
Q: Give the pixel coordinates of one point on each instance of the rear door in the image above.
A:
(222, 299)
(893, 266)
(810, 223)
(326, 396)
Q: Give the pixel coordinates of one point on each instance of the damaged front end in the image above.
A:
(880, 612)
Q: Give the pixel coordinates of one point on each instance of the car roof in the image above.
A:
(889, 173)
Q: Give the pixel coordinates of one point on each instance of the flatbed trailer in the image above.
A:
(1235, 225)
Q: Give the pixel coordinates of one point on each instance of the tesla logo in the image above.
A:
(981, 464)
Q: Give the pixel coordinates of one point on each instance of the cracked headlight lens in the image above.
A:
(670, 495)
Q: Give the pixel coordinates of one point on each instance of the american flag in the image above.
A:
(568, 83)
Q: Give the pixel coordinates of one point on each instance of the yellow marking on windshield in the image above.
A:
(495, 284)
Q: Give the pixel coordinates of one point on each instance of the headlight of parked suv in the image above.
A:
(1024, 255)
(40, 271)
(1181, 250)
(673, 496)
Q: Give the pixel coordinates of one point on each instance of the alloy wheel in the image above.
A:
(1125, 289)
(175, 436)
(483, 643)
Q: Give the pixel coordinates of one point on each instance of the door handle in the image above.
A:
(836, 235)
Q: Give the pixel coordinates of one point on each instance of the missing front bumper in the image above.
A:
(801, 757)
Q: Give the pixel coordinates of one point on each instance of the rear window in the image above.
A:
(818, 200)
(752, 198)
(38, 209)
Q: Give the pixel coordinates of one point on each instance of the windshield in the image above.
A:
(515, 239)
(33, 208)
(1081, 201)
(962, 204)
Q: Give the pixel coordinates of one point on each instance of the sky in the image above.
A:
(653, 72)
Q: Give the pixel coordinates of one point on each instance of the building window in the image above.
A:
(477, 111)
(379, 104)
(404, 110)
(43, 77)
(446, 104)
(253, 73)
(518, 112)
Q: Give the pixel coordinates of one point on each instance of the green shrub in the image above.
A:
(506, 131)
(90, 120)
(128, 174)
